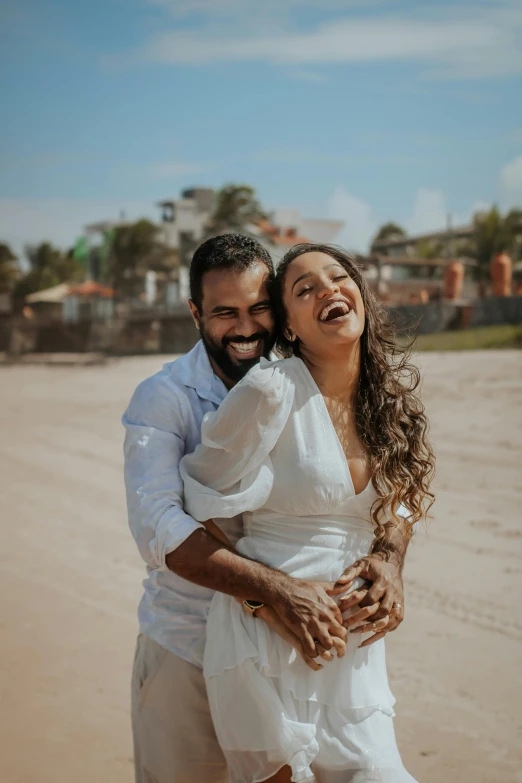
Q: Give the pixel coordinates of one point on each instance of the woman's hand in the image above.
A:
(382, 606)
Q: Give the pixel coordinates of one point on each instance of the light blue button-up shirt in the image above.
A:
(163, 423)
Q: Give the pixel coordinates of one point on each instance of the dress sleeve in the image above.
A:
(230, 472)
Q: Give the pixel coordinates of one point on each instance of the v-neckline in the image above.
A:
(326, 412)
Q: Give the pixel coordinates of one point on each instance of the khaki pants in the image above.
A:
(174, 738)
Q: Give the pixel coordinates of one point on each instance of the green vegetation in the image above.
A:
(389, 231)
(494, 233)
(49, 266)
(133, 249)
(9, 269)
(483, 338)
(236, 206)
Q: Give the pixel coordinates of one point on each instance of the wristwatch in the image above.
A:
(252, 606)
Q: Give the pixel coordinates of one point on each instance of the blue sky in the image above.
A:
(364, 111)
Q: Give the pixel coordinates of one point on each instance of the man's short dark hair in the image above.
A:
(228, 251)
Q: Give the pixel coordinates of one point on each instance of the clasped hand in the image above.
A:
(309, 617)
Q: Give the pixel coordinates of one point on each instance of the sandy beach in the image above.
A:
(70, 577)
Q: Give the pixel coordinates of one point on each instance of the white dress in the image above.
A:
(271, 452)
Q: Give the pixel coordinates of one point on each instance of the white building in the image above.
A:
(183, 219)
(183, 222)
(314, 229)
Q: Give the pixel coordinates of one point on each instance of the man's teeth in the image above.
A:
(245, 347)
(334, 306)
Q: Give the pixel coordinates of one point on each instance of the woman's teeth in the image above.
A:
(342, 306)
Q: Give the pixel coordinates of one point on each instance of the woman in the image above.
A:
(317, 451)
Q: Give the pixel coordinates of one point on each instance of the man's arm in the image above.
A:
(271, 618)
(168, 537)
(154, 446)
(306, 608)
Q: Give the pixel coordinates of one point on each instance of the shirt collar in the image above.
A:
(195, 371)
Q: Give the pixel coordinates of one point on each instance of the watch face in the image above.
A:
(254, 604)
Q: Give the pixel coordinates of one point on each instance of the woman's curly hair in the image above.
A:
(390, 417)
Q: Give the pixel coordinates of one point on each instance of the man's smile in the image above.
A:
(246, 350)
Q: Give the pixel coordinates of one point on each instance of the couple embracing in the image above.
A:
(273, 502)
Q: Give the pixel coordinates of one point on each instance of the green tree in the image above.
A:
(387, 232)
(50, 266)
(134, 249)
(428, 248)
(9, 269)
(236, 206)
(513, 227)
(492, 233)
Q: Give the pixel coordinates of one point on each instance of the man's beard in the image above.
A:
(217, 350)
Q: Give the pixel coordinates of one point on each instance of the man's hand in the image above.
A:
(385, 597)
(271, 618)
(308, 610)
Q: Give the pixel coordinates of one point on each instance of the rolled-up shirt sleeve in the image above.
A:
(154, 446)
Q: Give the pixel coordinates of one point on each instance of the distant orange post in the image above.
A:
(453, 280)
(501, 272)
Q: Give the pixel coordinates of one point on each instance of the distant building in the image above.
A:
(291, 224)
(408, 246)
(183, 221)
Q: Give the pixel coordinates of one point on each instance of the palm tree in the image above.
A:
(135, 249)
(236, 206)
(388, 231)
(513, 223)
(492, 234)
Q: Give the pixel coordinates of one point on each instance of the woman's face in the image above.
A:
(323, 303)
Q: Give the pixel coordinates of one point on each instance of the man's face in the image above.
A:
(236, 321)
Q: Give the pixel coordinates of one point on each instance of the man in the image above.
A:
(174, 738)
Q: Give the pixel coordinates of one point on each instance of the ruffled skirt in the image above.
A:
(270, 710)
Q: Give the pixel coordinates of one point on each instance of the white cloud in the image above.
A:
(454, 41)
(174, 169)
(59, 220)
(358, 216)
(429, 212)
(511, 183)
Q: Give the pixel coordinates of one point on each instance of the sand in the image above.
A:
(70, 578)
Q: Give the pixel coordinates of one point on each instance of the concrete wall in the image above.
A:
(425, 318)
(119, 336)
(441, 316)
(176, 333)
(496, 310)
